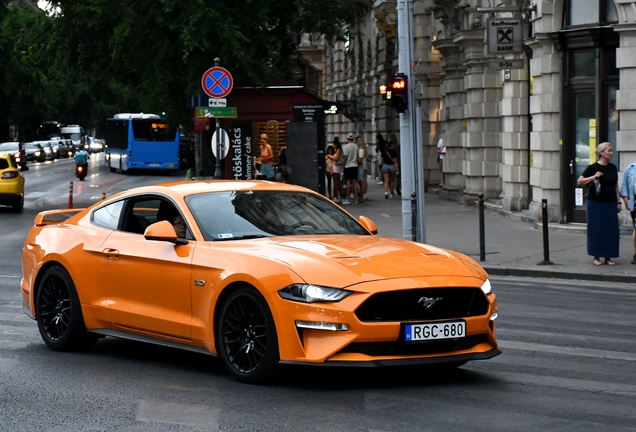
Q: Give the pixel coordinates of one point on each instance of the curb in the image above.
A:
(498, 271)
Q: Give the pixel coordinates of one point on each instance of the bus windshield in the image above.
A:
(152, 130)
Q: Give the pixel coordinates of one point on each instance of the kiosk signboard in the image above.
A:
(241, 154)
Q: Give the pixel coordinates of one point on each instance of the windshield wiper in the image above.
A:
(243, 237)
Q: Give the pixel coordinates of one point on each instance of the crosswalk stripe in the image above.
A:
(12, 345)
(14, 317)
(552, 349)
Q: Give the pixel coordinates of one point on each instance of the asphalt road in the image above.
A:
(568, 363)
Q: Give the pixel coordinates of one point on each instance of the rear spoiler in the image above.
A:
(51, 217)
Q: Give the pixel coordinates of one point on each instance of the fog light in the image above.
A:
(317, 325)
(493, 316)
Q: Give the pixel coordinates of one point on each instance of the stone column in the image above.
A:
(482, 152)
(545, 109)
(452, 116)
(514, 141)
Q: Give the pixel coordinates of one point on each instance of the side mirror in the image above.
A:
(163, 231)
(368, 224)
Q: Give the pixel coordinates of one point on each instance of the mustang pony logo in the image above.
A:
(427, 302)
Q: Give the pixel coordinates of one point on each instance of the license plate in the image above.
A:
(154, 164)
(434, 331)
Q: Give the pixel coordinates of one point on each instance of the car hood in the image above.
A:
(346, 260)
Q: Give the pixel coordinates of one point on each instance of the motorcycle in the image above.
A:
(80, 171)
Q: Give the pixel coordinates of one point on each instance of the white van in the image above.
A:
(74, 133)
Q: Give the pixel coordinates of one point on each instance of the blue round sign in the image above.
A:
(217, 82)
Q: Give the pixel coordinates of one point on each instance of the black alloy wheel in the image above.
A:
(247, 338)
(59, 313)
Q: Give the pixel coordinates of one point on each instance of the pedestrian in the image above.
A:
(603, 206)
(266, 158)
(363, 156)
(441, 155)
(337, 168)
(380, 146)
(329, 168)
(628, 191)
(350, 151)
(396, 148)
(390, 168)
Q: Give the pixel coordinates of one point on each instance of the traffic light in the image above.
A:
(398, 92)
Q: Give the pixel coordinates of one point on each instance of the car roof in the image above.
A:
(193, 187)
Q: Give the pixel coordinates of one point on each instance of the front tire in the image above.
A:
(246, 335)
(59, 313)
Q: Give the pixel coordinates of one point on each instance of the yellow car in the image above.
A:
(256, 272)
(11, 183)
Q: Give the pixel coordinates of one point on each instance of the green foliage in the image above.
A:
(162, 47)
(95, 58)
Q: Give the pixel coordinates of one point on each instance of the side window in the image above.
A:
(108, 216)
(140, 214)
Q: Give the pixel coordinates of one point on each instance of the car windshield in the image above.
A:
(239, 215)
(8, 146)
(31, 146)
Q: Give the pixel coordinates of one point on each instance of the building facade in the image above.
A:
(520, 136)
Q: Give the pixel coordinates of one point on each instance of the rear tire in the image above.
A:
(246, 337)
(59, 313)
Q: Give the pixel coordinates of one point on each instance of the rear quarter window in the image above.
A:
(108, 216)
(4, 163)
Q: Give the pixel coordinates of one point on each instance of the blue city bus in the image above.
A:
(141, 141)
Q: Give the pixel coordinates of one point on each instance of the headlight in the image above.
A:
(312, 293)
(486, 288)
(37, 153)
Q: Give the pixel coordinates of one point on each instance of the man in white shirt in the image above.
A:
(441, 154)
(350, 153)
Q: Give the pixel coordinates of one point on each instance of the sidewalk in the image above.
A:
(514, 244)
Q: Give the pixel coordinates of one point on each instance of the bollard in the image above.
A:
(546, 242)
(413, 217)
(482, 229)
(70, 196)
(103, 196)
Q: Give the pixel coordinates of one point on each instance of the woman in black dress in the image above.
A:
(602, 206)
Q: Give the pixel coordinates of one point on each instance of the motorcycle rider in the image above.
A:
(81, 159)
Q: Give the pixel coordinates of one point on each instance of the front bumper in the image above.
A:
(379, 343)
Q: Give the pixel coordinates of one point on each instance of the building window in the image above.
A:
(586, 12)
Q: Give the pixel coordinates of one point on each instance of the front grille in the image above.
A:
(408, 305)
(397, 348)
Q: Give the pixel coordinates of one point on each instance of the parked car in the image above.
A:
(34, 152)
(258, 273)
(13, 148)
(49, 151)
(11, 183)
(61, 148)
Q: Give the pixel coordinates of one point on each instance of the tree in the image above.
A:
(160, 48)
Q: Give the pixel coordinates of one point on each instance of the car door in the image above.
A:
(147, 281)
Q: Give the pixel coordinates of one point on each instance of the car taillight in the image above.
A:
(10, 175)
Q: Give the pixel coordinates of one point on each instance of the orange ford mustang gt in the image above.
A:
(258, 273)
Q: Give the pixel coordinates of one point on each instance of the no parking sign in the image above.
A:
(217, 82)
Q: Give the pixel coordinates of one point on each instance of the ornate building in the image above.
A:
(517, 135)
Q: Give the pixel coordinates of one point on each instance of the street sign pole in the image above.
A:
(218, 171)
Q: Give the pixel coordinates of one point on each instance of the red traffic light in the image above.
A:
(399, 90)
(397, 84)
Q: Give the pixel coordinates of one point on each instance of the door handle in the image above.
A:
(111, 253)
